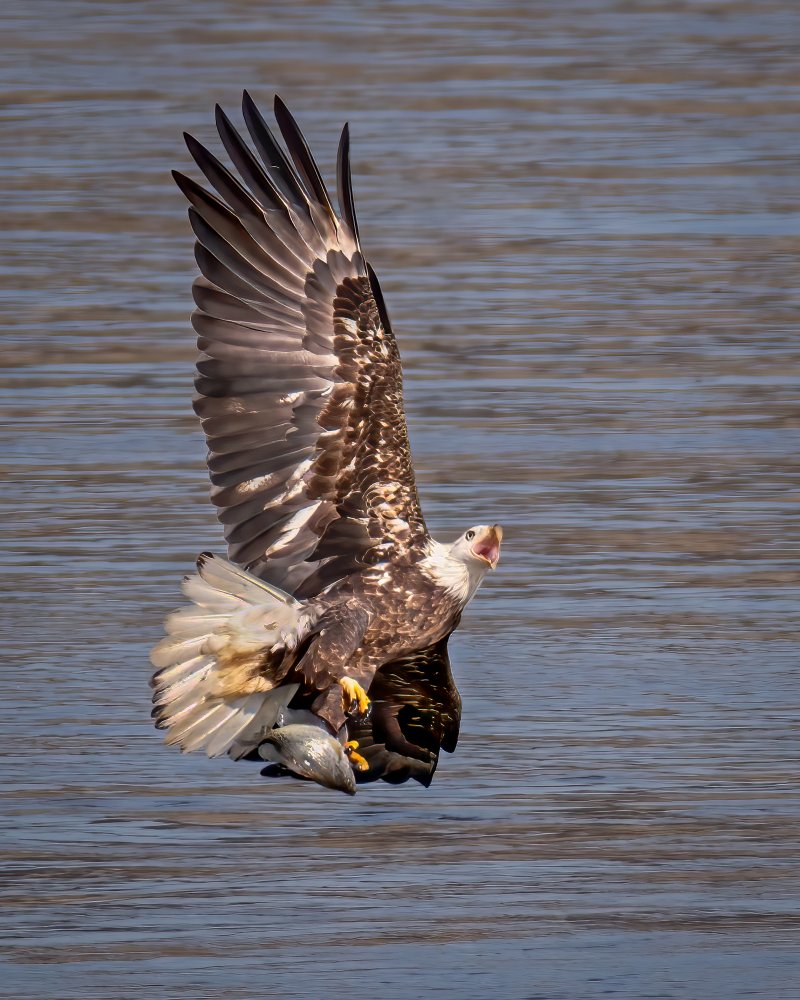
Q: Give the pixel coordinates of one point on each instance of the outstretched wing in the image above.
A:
(416, 712)
(299, 380)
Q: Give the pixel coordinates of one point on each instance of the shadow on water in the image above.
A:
(585, 219)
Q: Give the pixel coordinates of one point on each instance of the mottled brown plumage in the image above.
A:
(300, 396)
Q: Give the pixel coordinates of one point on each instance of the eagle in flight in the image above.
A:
(321, 646)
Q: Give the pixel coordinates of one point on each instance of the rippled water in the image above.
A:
(585, 219)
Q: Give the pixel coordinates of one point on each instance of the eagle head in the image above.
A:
(480, 544)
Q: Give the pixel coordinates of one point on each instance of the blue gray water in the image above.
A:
(585, 219)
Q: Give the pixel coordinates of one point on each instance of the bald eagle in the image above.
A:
(321, 646)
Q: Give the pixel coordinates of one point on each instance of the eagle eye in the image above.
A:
(470, 535)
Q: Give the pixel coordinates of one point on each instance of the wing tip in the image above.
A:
(302, 156)
(249, 106)
(344, 184)
(180, 179)
(279, 106)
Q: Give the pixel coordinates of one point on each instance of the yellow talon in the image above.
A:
(358, 762)
(354, 697)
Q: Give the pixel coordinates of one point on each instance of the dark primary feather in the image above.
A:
(301, 154)
(299, 381)
(416, 712)
(272, 155)
(344, 184)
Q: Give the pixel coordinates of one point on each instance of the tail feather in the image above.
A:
(206, 596)
(225, 576)
(188, 622)
(175, 651)
(213, 686)
(202, 715)
(181, 703)
(200, 736)
(178, 672)
(234, 724)
(247, 730)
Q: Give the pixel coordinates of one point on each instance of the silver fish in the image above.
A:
(312, 753)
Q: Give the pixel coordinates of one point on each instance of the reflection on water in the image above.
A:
(584, 217)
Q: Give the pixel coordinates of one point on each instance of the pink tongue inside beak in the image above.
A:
(488, 550)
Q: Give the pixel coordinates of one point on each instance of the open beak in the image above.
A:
(487, 546)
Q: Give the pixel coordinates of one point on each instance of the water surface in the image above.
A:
(585, 219)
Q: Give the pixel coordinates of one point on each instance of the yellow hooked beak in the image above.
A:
(487, 545)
